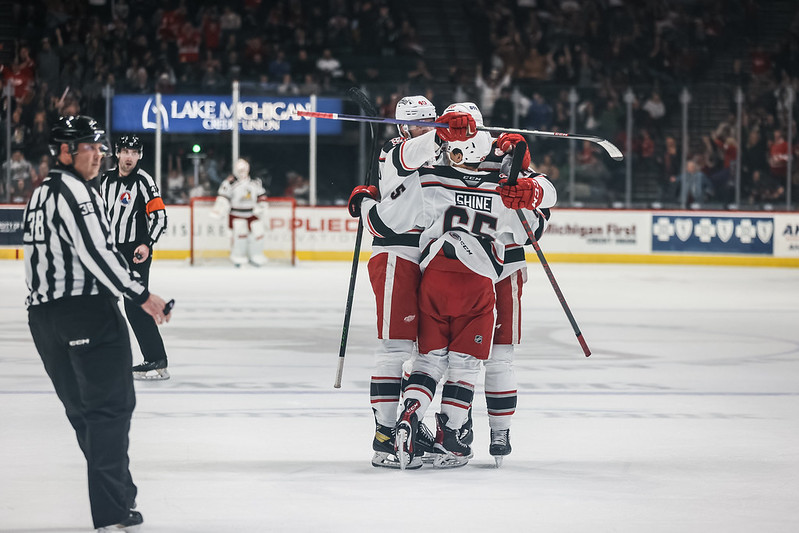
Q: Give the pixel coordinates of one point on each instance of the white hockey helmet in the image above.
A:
(241, 169)
(466, 107)
(474, 150)
(413, 108)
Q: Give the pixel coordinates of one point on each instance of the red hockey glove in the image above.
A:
(358, 194)
(460, 126)
(507, 141)
(526, 194)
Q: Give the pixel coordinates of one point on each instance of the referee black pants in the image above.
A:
(144, 327)
(84, 344)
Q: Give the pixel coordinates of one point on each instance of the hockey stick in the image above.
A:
(518, 156)
(609, 147)
(361, 99)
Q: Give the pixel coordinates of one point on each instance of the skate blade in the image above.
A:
(401, 449)
(449, 460)
(152, 375)
(498, 460)
(388, 460)
(429, 457)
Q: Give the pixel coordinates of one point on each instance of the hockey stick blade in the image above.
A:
(608, 146)
(513, 174)
(360, 98)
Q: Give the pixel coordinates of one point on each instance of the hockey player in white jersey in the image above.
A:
(466, 226)
(500, 380)
(394, 269)
(238, 197)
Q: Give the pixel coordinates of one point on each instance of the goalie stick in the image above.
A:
(608, 146)
(362, 100)
(513, 174)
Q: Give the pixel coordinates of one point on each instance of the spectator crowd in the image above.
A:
(529, 62)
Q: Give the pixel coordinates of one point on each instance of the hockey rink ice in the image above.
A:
(685, 419)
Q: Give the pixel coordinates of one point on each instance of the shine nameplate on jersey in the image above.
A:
(477, 202)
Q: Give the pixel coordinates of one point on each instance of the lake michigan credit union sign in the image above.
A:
(213, 114)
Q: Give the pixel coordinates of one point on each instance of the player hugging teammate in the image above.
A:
(445, 229)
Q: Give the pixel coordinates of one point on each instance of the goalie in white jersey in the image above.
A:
(466, 228)
(239, 197)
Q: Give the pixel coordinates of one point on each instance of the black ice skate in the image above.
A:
(153, 370)
(425, 444)
(131, 523)
(383, 446)
(452, 452)
(467, 434)
(405, 433)
(500, 445)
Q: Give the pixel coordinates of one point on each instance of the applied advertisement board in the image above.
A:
(321, 232)
(214, 114)
(712, 233)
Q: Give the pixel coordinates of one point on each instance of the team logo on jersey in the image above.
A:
(474, 201)
(124, 198)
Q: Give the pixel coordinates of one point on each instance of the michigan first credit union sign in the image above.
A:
(214, 114)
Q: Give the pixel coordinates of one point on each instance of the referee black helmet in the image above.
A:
(74, 130)
(131, 142)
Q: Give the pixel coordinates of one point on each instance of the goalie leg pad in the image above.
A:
(255, 243)
(238, 251)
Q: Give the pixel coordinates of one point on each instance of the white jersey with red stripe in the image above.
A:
(460, 211)
(400, 158)
(514, 253)
(243, 195)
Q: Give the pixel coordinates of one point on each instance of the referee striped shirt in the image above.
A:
(135, 208)
(69, 250)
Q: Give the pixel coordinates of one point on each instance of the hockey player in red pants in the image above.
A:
(500, 379)
(463, 249)
(394, 271)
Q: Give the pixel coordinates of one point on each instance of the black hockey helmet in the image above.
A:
(73, 130)
(131, 142)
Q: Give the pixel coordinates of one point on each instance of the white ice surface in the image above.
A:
(685, 419)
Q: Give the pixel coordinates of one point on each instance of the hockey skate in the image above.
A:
(405, 433)
(452, 452)
(385, 456)
(132, 523)
(500, 445)
(425, 444)
(466, 432)
(151, 371)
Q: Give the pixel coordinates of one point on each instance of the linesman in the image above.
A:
(138, 218)
(75, 275)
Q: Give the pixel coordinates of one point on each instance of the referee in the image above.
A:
(75, 276)
(138, 218)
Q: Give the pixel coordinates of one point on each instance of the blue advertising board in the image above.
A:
(214, 114)
(11, 226)
(714, 234)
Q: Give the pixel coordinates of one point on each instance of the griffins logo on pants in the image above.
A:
(474, 201)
